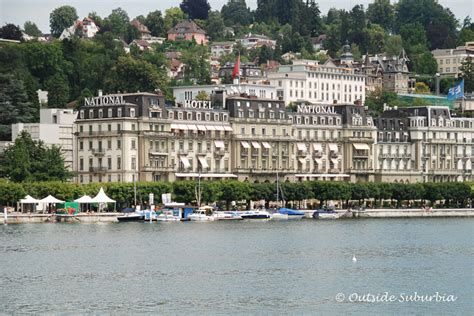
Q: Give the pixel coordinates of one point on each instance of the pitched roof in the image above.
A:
(186, 27)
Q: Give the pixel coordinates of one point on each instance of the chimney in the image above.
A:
(100, 92)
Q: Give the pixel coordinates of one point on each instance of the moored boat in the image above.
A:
(203, 214)
(131, 216)
(287, 214)
(255, 214)
(227, 215)
(325, 214)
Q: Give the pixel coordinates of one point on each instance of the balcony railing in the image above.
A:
(98, 169)
(98, 151)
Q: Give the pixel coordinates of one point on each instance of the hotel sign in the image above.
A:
(316, 109)
(105, 100)
(194, 104)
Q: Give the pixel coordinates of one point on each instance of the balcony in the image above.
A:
(302, 153)
(219, 152)
(98, 169)
(334, 154)
(265, 153)
(254, 153)
(157, 169)
(244, 153)
(98, 152)
(317, 154)
(157, 153)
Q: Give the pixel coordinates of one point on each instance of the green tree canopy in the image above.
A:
(236, 12)
(61, 18)
(381, 12)
(32, 29)
(155, 23)
(11, 32)
(29, 160)
(196, 9)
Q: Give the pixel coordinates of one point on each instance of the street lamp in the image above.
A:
(437, 75)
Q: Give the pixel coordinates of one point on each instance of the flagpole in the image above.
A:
(239, 69)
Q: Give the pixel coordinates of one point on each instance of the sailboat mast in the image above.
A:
(277, 189)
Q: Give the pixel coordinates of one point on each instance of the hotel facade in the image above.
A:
(124, 137)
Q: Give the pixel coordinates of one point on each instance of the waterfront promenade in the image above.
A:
(21, 218)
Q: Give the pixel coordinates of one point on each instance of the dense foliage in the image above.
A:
(320, 192)
(29, 160)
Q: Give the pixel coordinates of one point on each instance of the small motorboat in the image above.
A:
(168, 216)
(287, 214)
(255, 214)
(133, 216)
(227, 215)
(203, 214)
(325, 214)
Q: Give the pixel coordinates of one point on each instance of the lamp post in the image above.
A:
(437, 75)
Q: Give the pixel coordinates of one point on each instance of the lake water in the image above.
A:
(238, 267)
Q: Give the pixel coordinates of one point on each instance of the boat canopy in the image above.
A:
(289, 211)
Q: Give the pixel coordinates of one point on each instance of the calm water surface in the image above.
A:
(236, 267)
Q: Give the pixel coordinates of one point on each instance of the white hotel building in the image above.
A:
(307, 80)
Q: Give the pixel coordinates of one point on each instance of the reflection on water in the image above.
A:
(243, 267)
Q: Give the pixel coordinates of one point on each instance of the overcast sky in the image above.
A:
(19, 11)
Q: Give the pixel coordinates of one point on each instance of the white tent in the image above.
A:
(50, 200)
(102, 198)
(84, 200)
(29, 200)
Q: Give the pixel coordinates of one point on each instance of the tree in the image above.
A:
(58, 91)
(61, 18)
(425, 63)
(197, 68)
(422, 88)
(439, 23)
(11, 32)
(172, 17)
(29, 160)
(202, 96)
(236, 12)
(14, 105)
(393, 45)
(130, 75)
(196, 9)
(117, 22)
(215, 25)
(155, 23)
(467, 73)
(30, 28)
(381, 12)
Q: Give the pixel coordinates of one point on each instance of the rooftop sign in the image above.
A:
(316, 109)
(104, 100)
(194, 104)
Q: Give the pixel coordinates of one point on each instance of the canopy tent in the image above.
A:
(50, 200)
(28, 200)
(85, 199)
(102, 198)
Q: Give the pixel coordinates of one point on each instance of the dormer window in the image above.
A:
(109, 113)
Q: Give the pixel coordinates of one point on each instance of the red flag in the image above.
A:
(236, 70)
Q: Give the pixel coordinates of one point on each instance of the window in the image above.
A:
(133, 127)
(133, 163)
(81, 114)
(91, 113)
(119, 112)
(119, 144)
(90, 145)
(109, 163)
(81, 164)
(132, 112)
(101, 113)
(119, 163)
(109, 144)
(133, 144)
(109, 113)
(81, 145)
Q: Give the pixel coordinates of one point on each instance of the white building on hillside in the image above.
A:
(55, 128)
(307, 80)
(449, 60)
